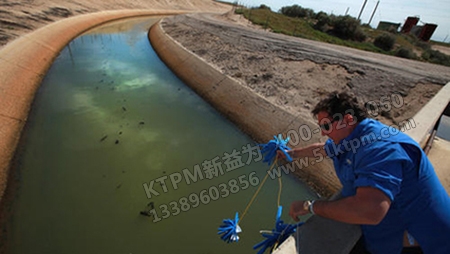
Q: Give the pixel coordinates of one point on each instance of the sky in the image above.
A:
(396, 11)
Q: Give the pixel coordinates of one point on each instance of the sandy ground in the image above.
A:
(21, 17)
(294, 73)
(445, 50)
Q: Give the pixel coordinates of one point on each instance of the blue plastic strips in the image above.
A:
(269, 150)
(230, 229)
(276, 236)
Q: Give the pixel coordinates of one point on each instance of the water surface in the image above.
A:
(109, 118)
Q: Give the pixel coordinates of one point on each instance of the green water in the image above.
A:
(109, 118)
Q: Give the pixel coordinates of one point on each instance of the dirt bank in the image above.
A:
(294, 73)
(21, 17)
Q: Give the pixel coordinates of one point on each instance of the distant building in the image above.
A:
(388, 26)
(422, 32)
(409, 24)
(427, 32)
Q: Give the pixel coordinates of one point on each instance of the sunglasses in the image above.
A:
(327, 126)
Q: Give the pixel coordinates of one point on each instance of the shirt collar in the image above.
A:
(357, 131)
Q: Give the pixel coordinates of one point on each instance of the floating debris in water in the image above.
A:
(103, 139)
(141, 123)
(145, 213)
(124, 109)
(117, 141)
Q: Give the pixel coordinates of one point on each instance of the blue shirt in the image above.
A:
(379, 156)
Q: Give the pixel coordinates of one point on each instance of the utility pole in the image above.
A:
(346, 12)
(362, 8)
(373, 13)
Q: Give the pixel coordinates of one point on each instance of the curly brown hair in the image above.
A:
(339, 104)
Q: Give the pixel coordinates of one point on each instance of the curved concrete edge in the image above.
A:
(319, 235)
(24, 63)
(426, 119)
(253, 114)
(425, 122)
(438, 156)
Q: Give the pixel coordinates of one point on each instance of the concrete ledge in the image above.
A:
(253, 114)
(438, 156)
(427, 117)
(426, 120)
(324, 236)
(321, 236)
(24, 63)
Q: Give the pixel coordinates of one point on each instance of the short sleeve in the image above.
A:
(381, 166)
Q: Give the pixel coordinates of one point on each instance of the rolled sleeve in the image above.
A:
(384, 181)
(382, 168)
